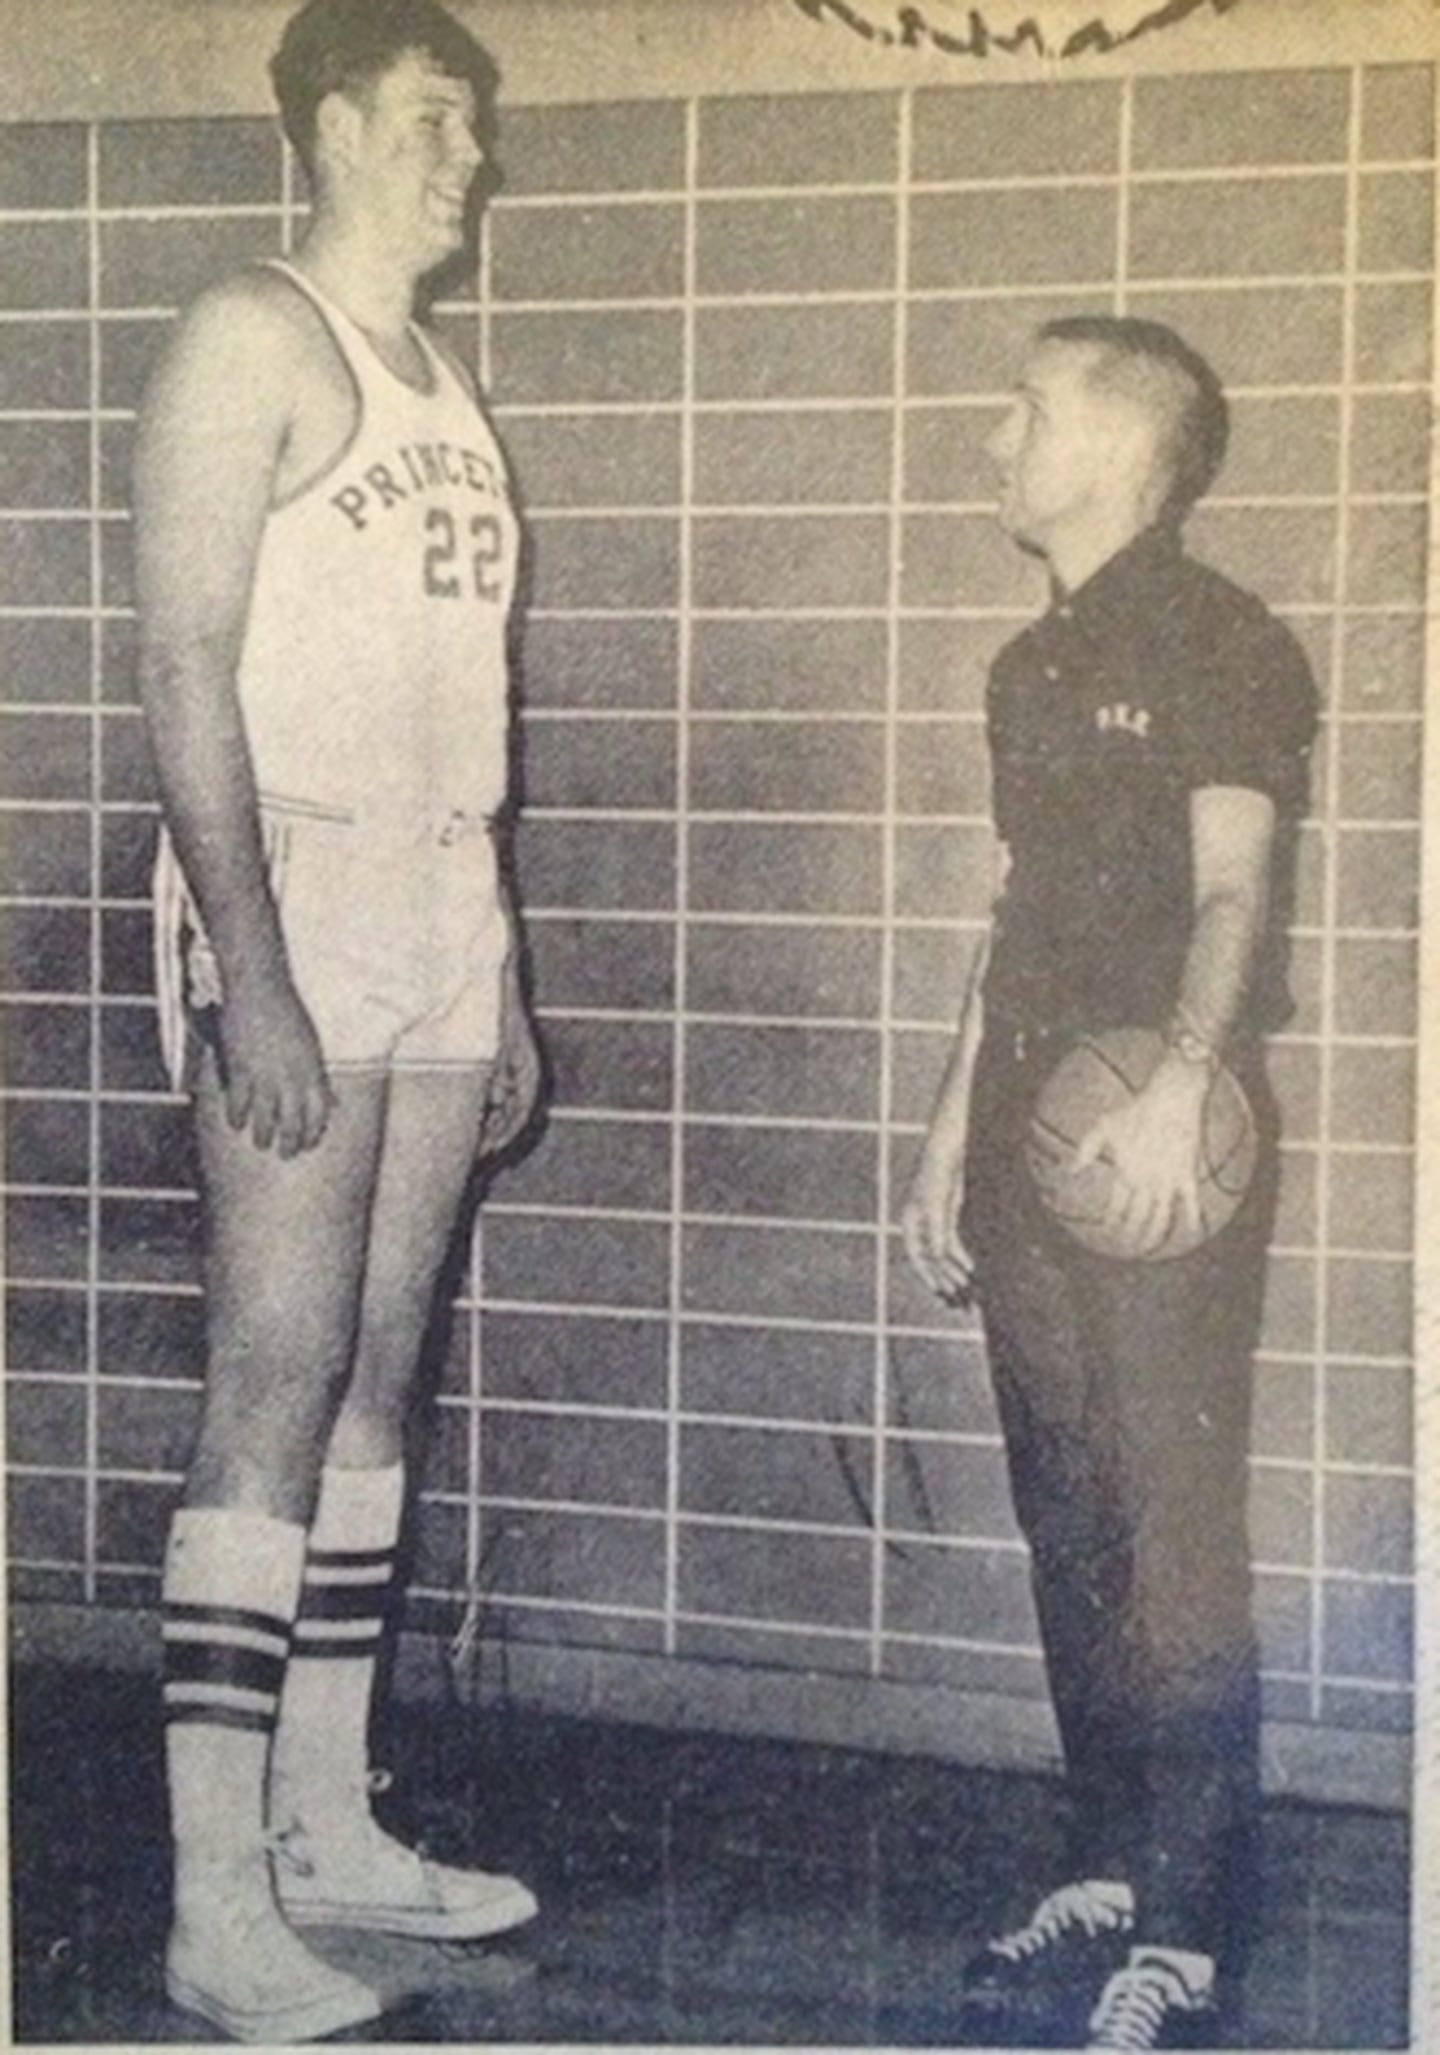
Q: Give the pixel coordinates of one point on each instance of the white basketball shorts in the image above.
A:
(397, 943)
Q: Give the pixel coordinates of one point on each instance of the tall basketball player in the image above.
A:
(1148, 737)
(327, 552)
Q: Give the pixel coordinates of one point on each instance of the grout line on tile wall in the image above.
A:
(879, 1514)
(96, 851)
(674, 1366)
(1330, 898)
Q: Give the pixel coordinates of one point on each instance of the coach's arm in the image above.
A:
(930, 1215)
(1155, 1140)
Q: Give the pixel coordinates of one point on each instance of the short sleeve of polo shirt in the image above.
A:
(1248, 717)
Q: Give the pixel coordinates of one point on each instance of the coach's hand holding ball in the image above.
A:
(1138, 1152)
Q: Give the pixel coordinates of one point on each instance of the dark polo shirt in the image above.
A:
(1154, 679)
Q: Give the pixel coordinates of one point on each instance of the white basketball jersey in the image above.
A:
(373, 671)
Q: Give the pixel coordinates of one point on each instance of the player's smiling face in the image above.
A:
(418, 153)
(1054, 447)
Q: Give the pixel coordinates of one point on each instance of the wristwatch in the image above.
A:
(1186, 1042)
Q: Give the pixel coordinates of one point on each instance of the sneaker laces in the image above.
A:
(288, 1848)
(1098, 1908)
(1133, 2005)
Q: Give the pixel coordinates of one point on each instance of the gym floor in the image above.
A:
(694, 1888)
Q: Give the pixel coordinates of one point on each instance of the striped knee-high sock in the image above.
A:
(321, 1759)
(231, 1584)
(232, 1581)
(355, 1874)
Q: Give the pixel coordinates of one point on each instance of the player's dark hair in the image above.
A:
(338, 46)
(1153, 365)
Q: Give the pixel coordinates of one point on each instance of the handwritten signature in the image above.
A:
(909, 28)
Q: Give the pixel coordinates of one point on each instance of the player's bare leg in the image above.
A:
(285, 1264)
(284, 1259)
(432, 1121)
(352, 1873)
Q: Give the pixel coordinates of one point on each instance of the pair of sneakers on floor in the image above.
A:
(1075, 1969)
(272, 1637)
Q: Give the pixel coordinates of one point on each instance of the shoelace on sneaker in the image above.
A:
(1097, 1908)
(1134, 2003)
(288, 1847)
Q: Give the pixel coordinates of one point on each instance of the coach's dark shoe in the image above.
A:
(1162, 1998)
(1053, 1966)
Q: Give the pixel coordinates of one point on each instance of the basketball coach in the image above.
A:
(1149, 737)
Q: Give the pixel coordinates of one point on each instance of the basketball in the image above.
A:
(1100, 1073)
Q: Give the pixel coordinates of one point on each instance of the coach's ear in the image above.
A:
(338, 121)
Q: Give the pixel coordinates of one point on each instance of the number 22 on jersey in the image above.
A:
(444, 576)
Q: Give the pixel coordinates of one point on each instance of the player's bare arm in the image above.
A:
(237, 407)
(516, 1073)
(516, 1076)
(1155, 1140)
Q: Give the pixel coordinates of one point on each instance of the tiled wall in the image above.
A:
(743, 352)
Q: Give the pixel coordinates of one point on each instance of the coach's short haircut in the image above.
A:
(1153, 366)
(343, 46)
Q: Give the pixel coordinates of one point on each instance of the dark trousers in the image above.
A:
(1124, 1394)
